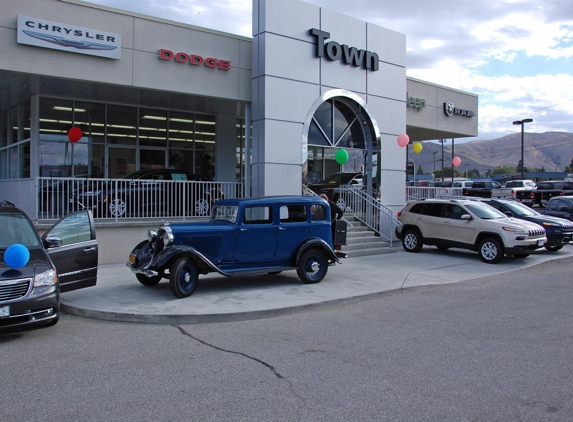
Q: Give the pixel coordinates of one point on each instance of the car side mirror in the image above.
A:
(565, 209)
(52, 242)
(466, 217)
(508, 213)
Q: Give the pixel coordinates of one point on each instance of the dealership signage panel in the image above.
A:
(67, 37)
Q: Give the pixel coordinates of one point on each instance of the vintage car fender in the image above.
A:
(167, 254)
(312, 243)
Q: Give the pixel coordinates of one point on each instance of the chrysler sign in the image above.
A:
(66, 37)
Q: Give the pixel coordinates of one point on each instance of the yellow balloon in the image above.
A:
(417, 147)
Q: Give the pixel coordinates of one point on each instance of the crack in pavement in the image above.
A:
(272, 368)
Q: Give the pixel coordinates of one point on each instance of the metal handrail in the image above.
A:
(415, 193)
(369, 211)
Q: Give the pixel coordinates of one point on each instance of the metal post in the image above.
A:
(522, 123)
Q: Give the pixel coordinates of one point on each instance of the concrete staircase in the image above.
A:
(361, 241)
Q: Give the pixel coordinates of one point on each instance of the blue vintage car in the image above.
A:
(243, 236)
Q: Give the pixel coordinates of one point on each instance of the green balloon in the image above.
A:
(341, 156)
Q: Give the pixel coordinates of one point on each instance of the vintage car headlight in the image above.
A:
(151, 236)
(513, 230)
(168, 239)
(47, 278)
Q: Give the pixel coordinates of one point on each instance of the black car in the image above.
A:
(330, 185)
(558, 230)
(560, 206)
(148, 193)
(65, 258)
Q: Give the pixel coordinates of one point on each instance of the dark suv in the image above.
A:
(558, 230)
(34, 270)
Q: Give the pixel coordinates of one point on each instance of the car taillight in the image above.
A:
(561, 194)
(532, 195)
(399, 213)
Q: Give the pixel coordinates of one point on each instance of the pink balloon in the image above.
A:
(403, 140)
(456, 161)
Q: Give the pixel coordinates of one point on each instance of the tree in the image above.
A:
(420, 170)
(502, 170)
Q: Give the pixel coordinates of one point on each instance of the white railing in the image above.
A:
(119, 199)
(369, 210)
(414, 193)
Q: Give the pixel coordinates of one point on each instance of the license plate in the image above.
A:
(540, 242)
(132, 258)
(4, 311)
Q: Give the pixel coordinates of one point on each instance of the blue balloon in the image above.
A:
(16, 256)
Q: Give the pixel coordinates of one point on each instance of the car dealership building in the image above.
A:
(269, 111)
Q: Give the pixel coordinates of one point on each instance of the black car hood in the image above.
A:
(541, 218)
(38, 263)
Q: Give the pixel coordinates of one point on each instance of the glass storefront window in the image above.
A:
(13, 126)
(151, 159)
(121, 125)
(152, 128)
(181, 130)
(3, 130)
(181, 159)
(25, 120)
(121, 161)
(205, 161)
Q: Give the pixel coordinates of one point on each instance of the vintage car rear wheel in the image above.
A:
(148, 281)
(312, 266)
(183, 277)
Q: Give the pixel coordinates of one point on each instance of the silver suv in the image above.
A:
(467, 224)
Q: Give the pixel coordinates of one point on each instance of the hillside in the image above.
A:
(551, 150)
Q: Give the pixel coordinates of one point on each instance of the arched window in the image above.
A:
(336, 123)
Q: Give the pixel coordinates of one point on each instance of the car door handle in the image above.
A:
(242, 230)
(88, 250)
(282, 228)
(447, 222)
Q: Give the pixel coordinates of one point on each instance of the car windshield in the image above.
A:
(15, 228)
(224, 213)
(485, 212)
(520, 209)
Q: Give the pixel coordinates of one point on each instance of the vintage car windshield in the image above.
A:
(224, 213)
(485, 212)
(16, 228)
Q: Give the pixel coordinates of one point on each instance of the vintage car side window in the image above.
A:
(562, 203)
(293, 213)
(258, 215)
(225, 213)
(73, 229)
(552, 206)
(318, 212)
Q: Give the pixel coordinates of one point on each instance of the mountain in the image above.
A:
(550, 150)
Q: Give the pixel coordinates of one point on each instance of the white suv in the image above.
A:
(467, 224)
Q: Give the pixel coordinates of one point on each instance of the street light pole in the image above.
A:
(522, 123)
(435, 152)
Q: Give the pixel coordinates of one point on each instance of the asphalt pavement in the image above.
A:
(118, 296)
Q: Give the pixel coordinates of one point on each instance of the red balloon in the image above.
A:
(456, 161)
(403, 140)
(75, 134)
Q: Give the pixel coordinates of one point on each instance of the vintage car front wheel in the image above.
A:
(183, 277)
(312, 266)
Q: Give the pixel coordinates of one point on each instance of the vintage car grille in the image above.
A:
(14, 289)
(536, 233)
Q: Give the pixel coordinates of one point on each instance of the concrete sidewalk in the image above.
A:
(118, 295)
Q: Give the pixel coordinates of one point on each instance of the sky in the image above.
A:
(515, 54)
